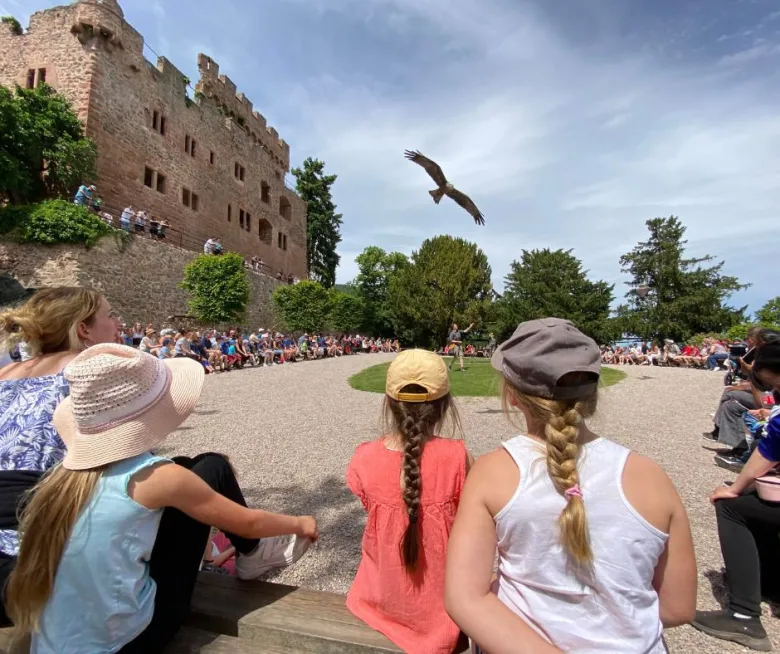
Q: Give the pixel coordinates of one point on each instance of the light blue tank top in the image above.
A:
(103, 595)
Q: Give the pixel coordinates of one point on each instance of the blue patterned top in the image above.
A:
(28, 440)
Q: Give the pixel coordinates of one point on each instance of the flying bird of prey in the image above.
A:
(444, 187)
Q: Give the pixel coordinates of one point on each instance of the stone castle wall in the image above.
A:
(236, 166)
(141, 281)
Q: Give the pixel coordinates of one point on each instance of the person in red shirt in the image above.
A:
(409, 482)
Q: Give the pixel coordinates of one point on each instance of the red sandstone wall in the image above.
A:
(96, 60)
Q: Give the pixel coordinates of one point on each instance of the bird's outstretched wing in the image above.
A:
(468, 204)
(431, 167)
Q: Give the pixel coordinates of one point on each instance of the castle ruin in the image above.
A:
(209, 165)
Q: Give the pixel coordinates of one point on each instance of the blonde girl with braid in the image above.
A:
(594, 546)
(409, 482)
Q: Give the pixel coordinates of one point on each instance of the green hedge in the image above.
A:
(53, 221)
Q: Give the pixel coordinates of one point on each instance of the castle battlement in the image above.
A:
(223, 91)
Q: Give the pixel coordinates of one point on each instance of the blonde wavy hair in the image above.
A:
(49, 321)
(561, 420)
(45, 524)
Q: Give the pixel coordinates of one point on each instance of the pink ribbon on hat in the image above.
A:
(571, 492)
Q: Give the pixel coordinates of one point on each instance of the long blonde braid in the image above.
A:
(562, 420)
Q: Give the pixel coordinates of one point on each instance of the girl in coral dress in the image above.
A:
(410, 482)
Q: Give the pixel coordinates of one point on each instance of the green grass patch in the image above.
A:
(479, 380)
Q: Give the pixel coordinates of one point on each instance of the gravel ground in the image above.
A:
(290, 431)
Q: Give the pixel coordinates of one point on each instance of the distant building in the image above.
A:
(210, 165)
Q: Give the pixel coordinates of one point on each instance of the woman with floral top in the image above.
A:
(56, 324)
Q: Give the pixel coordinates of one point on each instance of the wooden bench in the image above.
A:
(229, 616)
(273, 615)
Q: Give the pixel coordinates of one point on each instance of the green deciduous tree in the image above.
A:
(324, 224)
(218, 287)
(376, 267)
(346, 312)
(303, 306)
(770, 312)
(683, 295)
(43, 150)
(551, 283)
(447, 280)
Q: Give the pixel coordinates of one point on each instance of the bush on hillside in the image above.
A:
(51, 222)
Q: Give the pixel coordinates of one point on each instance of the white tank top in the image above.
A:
(617, 611)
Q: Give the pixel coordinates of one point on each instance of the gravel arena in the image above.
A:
(290, 431)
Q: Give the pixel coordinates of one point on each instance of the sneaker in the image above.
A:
(710, 436)
(271, 553)
(733, 463)
(722, 624)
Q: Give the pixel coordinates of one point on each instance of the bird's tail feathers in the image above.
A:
(437, 195)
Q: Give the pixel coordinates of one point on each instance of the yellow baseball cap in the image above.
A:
(419, 367)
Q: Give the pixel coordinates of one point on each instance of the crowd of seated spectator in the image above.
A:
(222, 351)
(712, 354)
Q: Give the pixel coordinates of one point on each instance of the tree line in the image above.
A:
(416, 298)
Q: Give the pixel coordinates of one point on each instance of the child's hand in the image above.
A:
(307, 527)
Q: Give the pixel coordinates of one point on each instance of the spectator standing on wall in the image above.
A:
(84, 195)
(208, 246)
(140, 222)
(126, 217)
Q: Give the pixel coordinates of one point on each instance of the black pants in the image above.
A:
(748, 529)
(178, 551)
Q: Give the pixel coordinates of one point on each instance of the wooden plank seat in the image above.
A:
(276, 615)
(229, 616)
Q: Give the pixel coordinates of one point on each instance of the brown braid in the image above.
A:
(416, 423)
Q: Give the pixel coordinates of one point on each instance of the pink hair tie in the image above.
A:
(571, 492)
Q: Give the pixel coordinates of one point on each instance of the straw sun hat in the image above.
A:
(123, 403)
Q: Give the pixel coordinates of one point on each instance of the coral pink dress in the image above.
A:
(409, 610)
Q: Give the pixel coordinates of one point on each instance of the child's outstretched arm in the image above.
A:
(175, 486)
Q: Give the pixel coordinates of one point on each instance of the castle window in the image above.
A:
(241, 218)
(148, 177)
(211, 157)
(248, 221)
(185, 197)
(284, 242)
(230, 213)
(285, 208)
(239, 171)
(41, 76)
(189, 145)
(161, 183)
(279, 240)
(265, 192)
(31, 78)
(158, 122)
(195, 200)
(264, 231)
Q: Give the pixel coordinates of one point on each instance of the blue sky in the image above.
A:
(569, 123)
